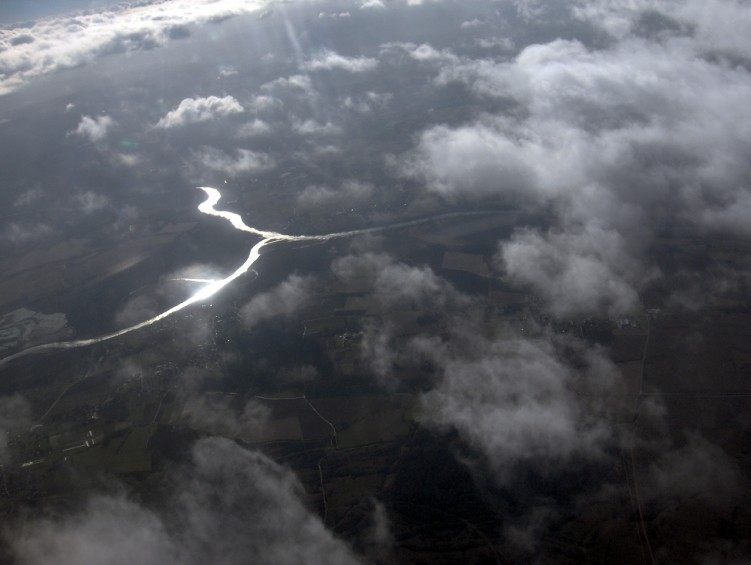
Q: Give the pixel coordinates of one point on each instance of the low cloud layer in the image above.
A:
(616, 140)
(583, 272)
(58, 43)
(281, 302)
(211, 414)
(230, 505)
(397, 285)
(519, 402)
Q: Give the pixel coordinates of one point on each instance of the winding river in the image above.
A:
(213, 286)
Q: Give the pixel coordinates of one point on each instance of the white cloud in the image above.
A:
(95, 129)
(58, 43)
(128, 159)
(605, 140)
(379, 539)
(721, 29)
(229, 505)
(334, 15)
(211, 414)
(378, 350)
(518, 402)
(616, 137)
(263, 103)
(428, 53)
(503, 43)
(698, 469)
(282, 301)
(193, 110)
(586, 272)
(243, 161)
(397, 285)
(471, 24)
(294, 82)
(227, 71)
(251, 129)
(330, 60)
(112, 530)
(89, 202)
(312, 127)
(372, 4)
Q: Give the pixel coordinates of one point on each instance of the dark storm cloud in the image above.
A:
(65, 42)
(230, 505)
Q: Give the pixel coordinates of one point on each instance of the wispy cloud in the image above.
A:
(242, 161)
(330, 60)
